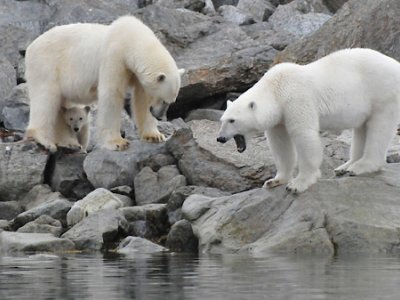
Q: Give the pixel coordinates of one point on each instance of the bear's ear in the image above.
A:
(252, 105)
(181, 71)
(87, 109)
(63, 109)
(228, 103)
(161, 77)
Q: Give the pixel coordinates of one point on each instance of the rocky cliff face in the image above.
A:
(191, 193)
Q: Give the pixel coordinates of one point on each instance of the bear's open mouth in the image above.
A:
(240, 142)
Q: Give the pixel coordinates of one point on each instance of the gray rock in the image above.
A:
(99, 199)
(194, 5)
(124, 190)
(365, 24)
(334, 5)
(207, 114)
(235, 15)
(38, 195)
(4, 225)
(260, 10)
(138, 246)
(98, 230)
(335, 216)
(69, 178)
(43, 224)
(22, 166)
(156, 187)
(300, 17)
(147, 221)
(55, 208)
(219, 3)
(181, 238)
(179, 196)
(14, 111)
(11, 242)
(9, 210)
(8, 80)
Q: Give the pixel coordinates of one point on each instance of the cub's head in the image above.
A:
(238, 122)
(76, 117)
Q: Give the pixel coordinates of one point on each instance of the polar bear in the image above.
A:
(77, 119)
(351, 88)
(77, 64)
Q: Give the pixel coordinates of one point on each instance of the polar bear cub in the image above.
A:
(77, 119)
(355, 89)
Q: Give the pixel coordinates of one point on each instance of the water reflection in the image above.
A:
(173, 276)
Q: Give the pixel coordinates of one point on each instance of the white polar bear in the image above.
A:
(77, 118)
(78, 63)
(352, 88)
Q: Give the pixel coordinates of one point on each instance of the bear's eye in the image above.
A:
(70, 119)
(231, 121)
(80, 119)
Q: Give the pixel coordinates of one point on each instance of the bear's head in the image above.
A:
(163, 88)
(76, 117)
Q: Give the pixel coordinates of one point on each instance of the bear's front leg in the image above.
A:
(146, 123)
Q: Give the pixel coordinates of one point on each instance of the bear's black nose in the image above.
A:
(76, 129)
(221, 139)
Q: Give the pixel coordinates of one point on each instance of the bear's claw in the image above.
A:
(155, 137)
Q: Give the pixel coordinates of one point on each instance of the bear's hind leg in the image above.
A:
(357, 149)
(284, 155)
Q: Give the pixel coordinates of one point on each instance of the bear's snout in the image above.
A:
(221, 139)
(76, 129)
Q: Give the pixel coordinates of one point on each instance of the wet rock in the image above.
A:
(300, 17)
(69, 177)
(138, 246)
(181, 238)
(179, 196)
(9, 210)
(11, 242)
(234, 15)
(14, 111)
(260, 10)
(98, 230)
(207, 114)
(148, 221)
(366, 24)
(43, 224)
(55, 208)
(156, 187)
(99, 199)
(340, 215)
(22, 166)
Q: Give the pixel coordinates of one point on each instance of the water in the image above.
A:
(173, 276)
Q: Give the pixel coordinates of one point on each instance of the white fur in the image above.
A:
(79, 63)
(352, 88)
(77, 119)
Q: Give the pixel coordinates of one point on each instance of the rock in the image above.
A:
(98, 230)
(14, 111)
(147, 221)
(156, 187)
(43, 224)
(179, 196)
(11, 242)
(181, 238)
(8, 80)
(9, 210)
(138, 246)
(22, 166)
(55, 208)
(207, 114)
(335, 216)
(124, 190)
(234, 15)
(99, 199)
(260, 10)
(4, 225)
(38, 195)
(300, 17)
(194, 5)
(334, 5)
(218, 3)
(69, 177)
(365, 24)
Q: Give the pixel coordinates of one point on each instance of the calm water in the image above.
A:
(172, 276)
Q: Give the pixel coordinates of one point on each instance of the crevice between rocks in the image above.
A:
(49, 168)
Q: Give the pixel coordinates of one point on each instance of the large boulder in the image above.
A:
(367, 24)
(340, 215)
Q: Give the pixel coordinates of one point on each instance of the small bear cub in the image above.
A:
(77, 118)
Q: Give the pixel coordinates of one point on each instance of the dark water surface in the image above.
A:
(176, 276)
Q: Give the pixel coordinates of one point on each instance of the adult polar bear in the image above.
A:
(352, 88)
(78, 63)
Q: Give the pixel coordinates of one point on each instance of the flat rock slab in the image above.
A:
(341, 215)
(27, 242)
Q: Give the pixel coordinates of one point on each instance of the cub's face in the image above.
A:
(76, 117)
(237, 122)
(163, 90)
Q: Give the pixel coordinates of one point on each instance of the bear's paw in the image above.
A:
(153, 137)
(117, 144)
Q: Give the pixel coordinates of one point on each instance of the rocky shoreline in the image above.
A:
(190, 193)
